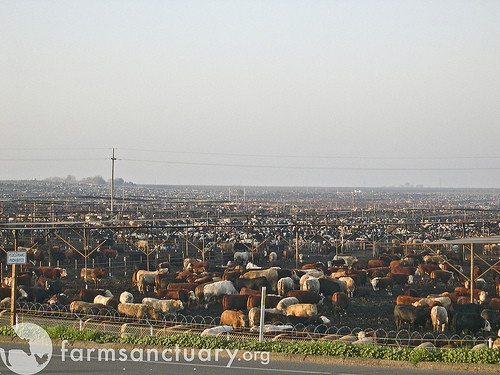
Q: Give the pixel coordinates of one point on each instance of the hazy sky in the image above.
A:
(307, 93)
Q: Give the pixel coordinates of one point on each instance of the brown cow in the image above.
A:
(249, 292)
(92, 274)
(410, 271)
(363, 277)
(203, 279)
(426, 269)
(183, 275)
(463, 300)
(42, 282)
(232, 318)
(340, 303)
(231, 275)
(320, 266)
(494, 304)
(183, 295)
(88, 295)
(235, 301)
(271, 301)
(395, 264)
(187, 286)
(406, 300)
(454, 296)
(23, 278)
(51, 272)
(360, 265)
(441, 277)
(109, 253)
(377, 272)
(479, 294)
(374, 263)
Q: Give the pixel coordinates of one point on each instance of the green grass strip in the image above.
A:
(323, 348)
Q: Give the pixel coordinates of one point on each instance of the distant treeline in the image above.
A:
(96, 180)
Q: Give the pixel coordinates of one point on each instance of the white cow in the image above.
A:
(285, 284)
(439, 318)
(309, 283)
(165, 306)
(242, 257)
(126, 297)
(350, 285)
(285, 302)
(218, 289)
(214, 331)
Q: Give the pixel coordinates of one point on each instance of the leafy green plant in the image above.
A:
(324, 348)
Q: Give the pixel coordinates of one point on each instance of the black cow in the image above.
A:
(55, 287)
(493, 317)
(254, 284)
(412, 315)
(469, 323)
(328, 287)
(466, 308)
(7, 292)
(283, 272)
(38, 295)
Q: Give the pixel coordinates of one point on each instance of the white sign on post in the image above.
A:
(16, 257)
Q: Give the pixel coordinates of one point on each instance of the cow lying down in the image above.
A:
(214, 331)
(273, 328)
(167, 306)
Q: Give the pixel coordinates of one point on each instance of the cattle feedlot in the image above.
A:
(350, 275)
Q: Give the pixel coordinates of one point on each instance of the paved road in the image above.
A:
(80, 361)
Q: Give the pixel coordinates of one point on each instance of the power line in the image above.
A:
(52, 159)
(350, 157)
(53, 148)
(314, 167)
(316, 157)
(262, 166)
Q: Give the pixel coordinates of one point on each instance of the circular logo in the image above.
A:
(36, 357)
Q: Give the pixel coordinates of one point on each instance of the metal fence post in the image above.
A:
(262, 313)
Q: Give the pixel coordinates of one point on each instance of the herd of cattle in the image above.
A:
(293, 296)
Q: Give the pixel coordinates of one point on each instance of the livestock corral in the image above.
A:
(400, 290)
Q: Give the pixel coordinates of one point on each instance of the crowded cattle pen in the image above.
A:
(391, 295)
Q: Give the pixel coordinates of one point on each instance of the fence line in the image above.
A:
(110, 322)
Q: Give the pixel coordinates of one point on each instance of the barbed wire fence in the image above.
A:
(109, 321)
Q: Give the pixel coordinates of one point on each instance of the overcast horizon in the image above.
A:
(237, 93)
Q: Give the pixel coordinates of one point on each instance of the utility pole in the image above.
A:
(112, 179)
